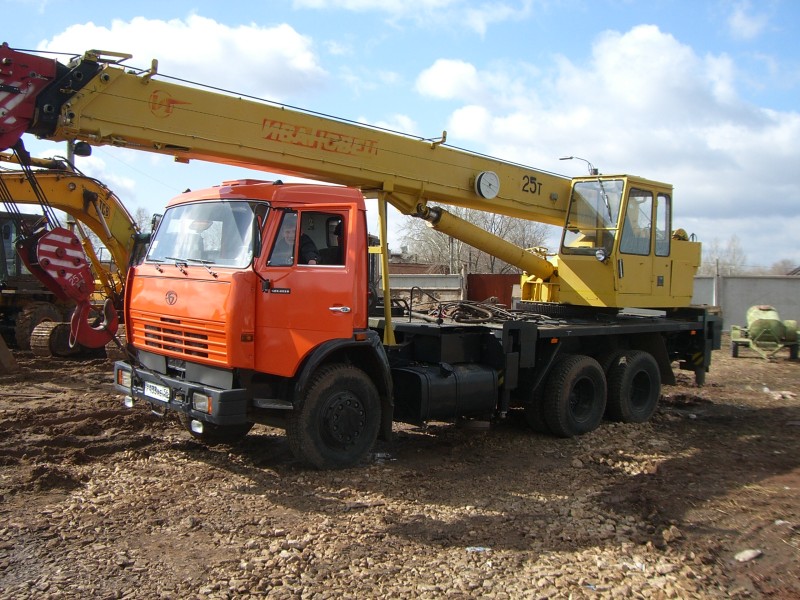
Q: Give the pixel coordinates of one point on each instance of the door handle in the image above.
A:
(339, 309)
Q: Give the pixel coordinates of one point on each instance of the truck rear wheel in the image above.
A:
(575, 396)
(634, 387)
(338, 422)
(29, 317)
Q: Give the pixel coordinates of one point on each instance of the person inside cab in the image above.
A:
(284, 250)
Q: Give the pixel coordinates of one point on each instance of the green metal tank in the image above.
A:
(765, 333)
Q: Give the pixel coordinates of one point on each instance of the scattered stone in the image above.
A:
(748, 555)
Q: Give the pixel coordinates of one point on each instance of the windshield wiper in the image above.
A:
(158, 262)
(179, 262)
(205, 263)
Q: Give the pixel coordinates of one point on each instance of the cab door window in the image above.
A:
(638, 223)
(283, 250)
(663, 224)
(309, 238)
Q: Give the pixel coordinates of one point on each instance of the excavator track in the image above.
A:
(52, 339)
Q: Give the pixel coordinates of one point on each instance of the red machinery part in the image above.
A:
(61, 260)
(93, 334)
(22, 77)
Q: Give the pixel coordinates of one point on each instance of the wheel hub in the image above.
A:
(345, 419)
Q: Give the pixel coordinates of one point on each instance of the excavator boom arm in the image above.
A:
(85, 199)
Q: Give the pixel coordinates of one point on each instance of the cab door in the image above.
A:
(302, 302)
(634, 268)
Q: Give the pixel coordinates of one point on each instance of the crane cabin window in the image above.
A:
(592, 217)
(219, 233)
(638, 224)
(663, 224)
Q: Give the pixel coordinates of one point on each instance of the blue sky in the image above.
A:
(703, 95)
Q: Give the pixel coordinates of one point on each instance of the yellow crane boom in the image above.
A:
(617, 248)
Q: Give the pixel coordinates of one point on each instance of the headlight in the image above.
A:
(600, 254)
(124, 378)
(202, 402)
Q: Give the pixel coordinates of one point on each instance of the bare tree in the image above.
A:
(431, 246)
(142, 218)
(727, 260)
(782, 267)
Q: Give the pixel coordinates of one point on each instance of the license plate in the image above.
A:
(158, 392)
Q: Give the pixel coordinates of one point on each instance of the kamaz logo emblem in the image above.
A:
(171, 297)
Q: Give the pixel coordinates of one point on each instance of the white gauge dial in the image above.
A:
(487, 184)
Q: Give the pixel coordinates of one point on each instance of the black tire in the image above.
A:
(634, 388)
(338, 422)
(29, 317)
(734, 350)
(214, 434)
(611, 359)
(575, 396)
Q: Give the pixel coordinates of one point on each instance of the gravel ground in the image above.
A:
(702, 502)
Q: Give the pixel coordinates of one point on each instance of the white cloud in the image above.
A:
(479, 18)
(245, 58)
(389, 6)
(744, 24)
(432, 13)
(448, 79)
(644, 103)
(397, 122)
(471, 122)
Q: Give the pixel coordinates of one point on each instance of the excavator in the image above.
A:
(48, 312)
(230, 323)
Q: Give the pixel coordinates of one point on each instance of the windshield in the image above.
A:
(593, 214)
(219, 233)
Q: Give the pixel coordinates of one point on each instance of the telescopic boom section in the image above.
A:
(97, 101)
(22, 78)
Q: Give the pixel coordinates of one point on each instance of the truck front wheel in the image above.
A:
(339, 419)
(575, 396)
(634, 387)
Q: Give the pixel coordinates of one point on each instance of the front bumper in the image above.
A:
(165, 393)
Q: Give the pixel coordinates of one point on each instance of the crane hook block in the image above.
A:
(97, 333)
(56, 258)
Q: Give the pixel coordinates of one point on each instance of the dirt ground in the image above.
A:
(101, 501)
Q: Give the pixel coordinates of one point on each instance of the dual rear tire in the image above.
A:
(579, 392)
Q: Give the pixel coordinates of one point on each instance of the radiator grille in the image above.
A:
(183, 337)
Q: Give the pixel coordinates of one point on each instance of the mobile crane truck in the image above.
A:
(48, 311)
(227, 329)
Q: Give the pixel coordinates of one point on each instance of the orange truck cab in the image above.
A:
(228, 327)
